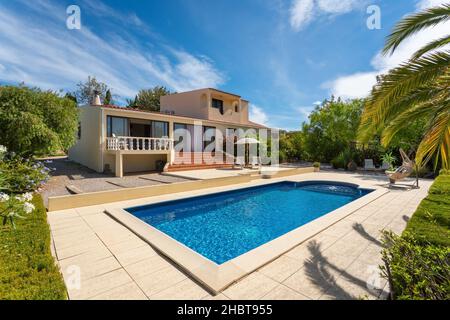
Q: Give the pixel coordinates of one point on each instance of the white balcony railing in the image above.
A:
(139, 143)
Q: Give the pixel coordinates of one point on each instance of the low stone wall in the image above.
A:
(101, 197)
(288, 172)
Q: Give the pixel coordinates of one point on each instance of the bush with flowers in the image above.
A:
(19, 177)
(13, 207)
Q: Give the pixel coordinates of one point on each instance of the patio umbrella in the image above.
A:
(247, 141)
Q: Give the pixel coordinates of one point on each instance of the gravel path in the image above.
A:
(67, 172)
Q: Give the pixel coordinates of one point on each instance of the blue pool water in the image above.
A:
(225, 225)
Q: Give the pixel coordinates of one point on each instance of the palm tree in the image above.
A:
(417, 88)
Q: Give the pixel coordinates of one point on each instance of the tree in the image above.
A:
(108, 98)
(331, 129)
(149, 99)
(87, 90)
(71, 96)
(33, 121)
(291, 147)
(417, 89)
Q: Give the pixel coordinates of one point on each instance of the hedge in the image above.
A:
(417, 264)
(27, 268)
(430, 224)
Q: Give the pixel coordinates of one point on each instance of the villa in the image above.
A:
(124, 140)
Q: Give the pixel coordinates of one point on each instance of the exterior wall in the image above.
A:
(88, 150)
(244, 111)
(109, 161)
(189, 104)
(229, 114)
(141, 162)
(197, 104)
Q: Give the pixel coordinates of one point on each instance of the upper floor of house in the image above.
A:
(207, 104)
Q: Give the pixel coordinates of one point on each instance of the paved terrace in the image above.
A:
(67, 173)
(335, 264)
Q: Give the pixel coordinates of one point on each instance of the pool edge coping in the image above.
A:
(215, 277)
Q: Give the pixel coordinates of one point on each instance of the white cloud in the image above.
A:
(305, 111)
(423, 4)
(257, 115)
(337, 6)
(302, 12)
(100, 9)
(38, 50)
(359, 84)
(356, 85)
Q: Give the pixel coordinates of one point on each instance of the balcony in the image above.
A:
(139, 144)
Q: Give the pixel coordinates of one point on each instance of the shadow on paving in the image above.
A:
(358, 227)
(320, 272)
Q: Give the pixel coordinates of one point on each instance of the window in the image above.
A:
(160, 129)
(178, 133)
(217, 104)
(236, 108)
(117, 126)
(183, 132)
(209, 135)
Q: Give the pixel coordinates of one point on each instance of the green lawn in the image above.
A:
(27, 268)
(431, 222)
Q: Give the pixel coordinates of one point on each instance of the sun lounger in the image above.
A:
(368, 165)
(402, 172)
(255, 163)
(239, 163)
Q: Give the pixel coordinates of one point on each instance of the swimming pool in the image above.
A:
(225, 225)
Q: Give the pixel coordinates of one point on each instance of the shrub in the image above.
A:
(421, 172)
(316, 164)
(339, 162)
(431, 221)
(415, 271)
(20, 175)
(35, 121)
(441, 185)
(27, 268)
(417, 263)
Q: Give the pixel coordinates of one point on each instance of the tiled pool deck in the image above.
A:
(101, 259)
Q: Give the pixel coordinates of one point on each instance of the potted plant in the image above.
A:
(352, 166)
(316, 166)
(388, 161)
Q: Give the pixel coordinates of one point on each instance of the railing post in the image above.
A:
(139, 143)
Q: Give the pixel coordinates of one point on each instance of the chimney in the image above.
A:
(96, 99)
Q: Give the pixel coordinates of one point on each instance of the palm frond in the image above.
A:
(404, 119)
(436, 142)
(422, 95)
(436, 44)
(415, 23)
(400, 82)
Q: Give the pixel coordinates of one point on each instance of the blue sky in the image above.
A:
(283, 56)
